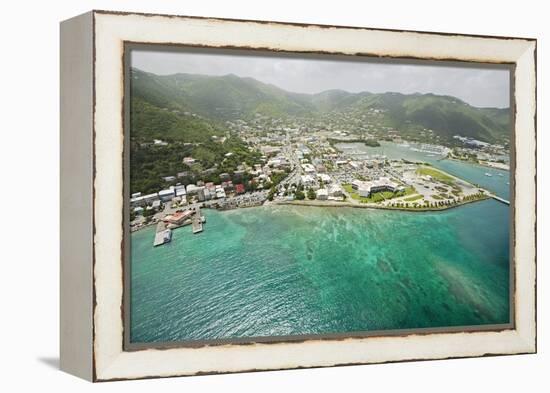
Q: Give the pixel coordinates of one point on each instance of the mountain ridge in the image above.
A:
(230, 97)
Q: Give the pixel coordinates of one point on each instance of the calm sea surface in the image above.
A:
(289, 270)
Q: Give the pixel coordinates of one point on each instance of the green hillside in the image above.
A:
(229, 97)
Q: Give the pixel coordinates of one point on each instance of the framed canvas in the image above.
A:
(246, 195)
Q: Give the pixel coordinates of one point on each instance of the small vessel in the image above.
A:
(488, 174)
(500, 174)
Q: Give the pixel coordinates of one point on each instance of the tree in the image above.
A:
(311, 194)
(299, 195)
(271, 194)
(147, 213)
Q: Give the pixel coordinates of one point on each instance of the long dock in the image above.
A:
(162, 235)
(497, 198)
(197, 221)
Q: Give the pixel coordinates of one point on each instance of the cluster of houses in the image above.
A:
(181, 194)
(333, 192)
(322, 183)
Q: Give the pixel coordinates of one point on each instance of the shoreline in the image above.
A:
(316, 203)
(377, 207)
(482, 164)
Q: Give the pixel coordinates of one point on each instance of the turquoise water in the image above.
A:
(289, 270)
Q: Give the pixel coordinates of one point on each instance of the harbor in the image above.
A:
(171, 221)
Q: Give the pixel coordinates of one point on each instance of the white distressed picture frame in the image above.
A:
(92, 143)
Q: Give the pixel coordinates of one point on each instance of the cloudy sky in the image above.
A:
(481, 87)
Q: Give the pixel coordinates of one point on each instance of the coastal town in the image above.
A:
(318, 163)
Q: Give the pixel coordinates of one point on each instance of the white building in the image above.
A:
(307, 180)
(166, 195)
(188, 160)
(335, 191)
(180, 191)
(322, 194)
(366, 188)
(308, 168)
(192, 189)
(137, 201)
(149, 198)
(324, 177)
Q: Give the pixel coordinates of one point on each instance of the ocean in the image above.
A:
(298, 270)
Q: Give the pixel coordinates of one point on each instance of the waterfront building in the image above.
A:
(335, 191)
(178, 218)
(137, 201)
(166, 195)
(180, 190)
(201, 194)
(367, 188)
(150, 198)
(192, 189)
(322, 194)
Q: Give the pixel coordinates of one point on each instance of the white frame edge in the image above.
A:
(111, 30)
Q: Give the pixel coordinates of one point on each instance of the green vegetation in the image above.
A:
(436, 174)
(150, 122)
(311, 194)
(372, 143)
(408, 191)
(378, 197)
(299, 195)
(230, 97)
(413, 198)
(150, 163)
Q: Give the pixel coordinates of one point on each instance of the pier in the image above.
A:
(162, 235)
(197, 221)
(502, 200)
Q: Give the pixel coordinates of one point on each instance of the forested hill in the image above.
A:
(160, 103)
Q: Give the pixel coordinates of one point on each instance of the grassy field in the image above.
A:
(435, 174)
(413, 198)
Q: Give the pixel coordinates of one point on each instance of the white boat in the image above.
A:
(488, 174)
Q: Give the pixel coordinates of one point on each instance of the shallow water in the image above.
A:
(289, 270)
